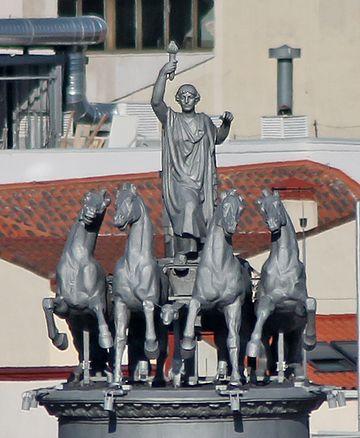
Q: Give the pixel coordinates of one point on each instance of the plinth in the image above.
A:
(275, 411)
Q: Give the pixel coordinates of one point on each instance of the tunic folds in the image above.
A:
(189, 172)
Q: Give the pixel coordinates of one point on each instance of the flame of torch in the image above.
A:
(172, 51)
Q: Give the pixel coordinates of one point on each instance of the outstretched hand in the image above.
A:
(227, 118)
(169, 67)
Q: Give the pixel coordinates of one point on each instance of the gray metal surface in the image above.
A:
(81, 285)
(276, 411)
(222, 282)
(75, 91)
(284, 56)
(62, 31)
(189, 167)
(136, 280)
(282, 290)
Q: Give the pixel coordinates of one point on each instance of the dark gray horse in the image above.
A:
(81, 283)
(282, 289)
(136, 281)
(222, 282)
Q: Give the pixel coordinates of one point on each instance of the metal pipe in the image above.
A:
(61, 31)
(284, 56)
(75, 91)
(358, 303)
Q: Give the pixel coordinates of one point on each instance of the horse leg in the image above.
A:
(121, 325)
(50, 306)
(188, 342)
(294, 355)
(105, 338)
(232, 314)
(310, 330)
(151, 346)
(264, 308)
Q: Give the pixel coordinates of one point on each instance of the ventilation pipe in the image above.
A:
(76, 32)
(284, 56)
(63, 31)
(75, 90)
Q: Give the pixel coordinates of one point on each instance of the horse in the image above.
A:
(282, 291)
(222, 282)
(136, 280)
(81, 294)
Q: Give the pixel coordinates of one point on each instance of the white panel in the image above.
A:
(284, 127)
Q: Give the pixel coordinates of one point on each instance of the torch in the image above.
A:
(172, 51)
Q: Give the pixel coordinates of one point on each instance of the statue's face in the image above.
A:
(187, 101)
(187, 97)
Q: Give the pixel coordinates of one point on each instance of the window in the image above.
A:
(326, 359)
(150, 24)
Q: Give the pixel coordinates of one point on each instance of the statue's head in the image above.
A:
(231, 208)
(94, 204)
(127, 206)
(187, 96)
(272, 210)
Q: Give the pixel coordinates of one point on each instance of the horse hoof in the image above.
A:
(187, 348)
(235, 382)
(252, 349)
(152, 349)
(61, 341)
(309, 342)
(105, 341)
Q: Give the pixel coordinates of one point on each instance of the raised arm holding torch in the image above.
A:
(172, 51)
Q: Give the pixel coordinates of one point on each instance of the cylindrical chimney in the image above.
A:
(284, 56)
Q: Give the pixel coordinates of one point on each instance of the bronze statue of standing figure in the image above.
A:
(188, 164)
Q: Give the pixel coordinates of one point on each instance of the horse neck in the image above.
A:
(217, 249)
(83, 236)
(140, 236)
(284, 247)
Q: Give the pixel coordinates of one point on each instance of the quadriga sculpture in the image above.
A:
(282, 290)
(136, 281)
(222, 281)
(81, 285)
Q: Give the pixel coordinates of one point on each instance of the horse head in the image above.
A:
(170, 312)
(272, 210)
(231, 208)
(127, 206)
(94, 205)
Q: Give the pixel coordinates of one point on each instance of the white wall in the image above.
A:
(335, 420)
(24, 341)
(55, 164)
(128, 73)
(16, 423)
(331, 273)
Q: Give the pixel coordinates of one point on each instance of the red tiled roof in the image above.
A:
(36, 217)
(335, 328)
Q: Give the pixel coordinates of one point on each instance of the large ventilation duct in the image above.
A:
(76, 32)
(64, 31)
(284, 56)
(75, 91)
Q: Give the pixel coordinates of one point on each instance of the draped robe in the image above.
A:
(189, 172)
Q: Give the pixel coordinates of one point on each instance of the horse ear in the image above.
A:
(258, 202)
(223, 195)
(86, 196)
(276, 194)
(106, 197)
(133, 188)
(266, 192)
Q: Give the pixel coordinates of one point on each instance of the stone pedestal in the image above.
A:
(274, 411)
